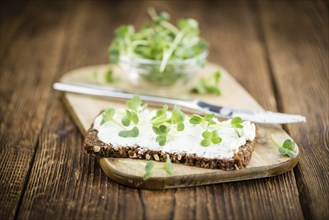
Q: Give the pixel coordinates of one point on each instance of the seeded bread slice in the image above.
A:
(98, 148)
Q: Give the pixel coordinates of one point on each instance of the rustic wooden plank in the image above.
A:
(297, 38)
(9, 26)
(27, 69)
(66, 183)
(10, 23)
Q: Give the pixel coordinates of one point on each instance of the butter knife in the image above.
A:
(262, 117)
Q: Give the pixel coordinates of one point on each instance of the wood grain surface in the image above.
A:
(278, 50)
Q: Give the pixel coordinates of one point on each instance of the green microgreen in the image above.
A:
(134, 132)
(148, 169)
(236, 123)
(168, 166)
(160, 116)
(131, 116)
(109, 77)
(287, 148)
(108, 115)
(210, 138)
(162, 133)
(125, 120)
(207, 119)
(178, 118)
(134, 103)
(208, 85)
(195, 119)
(163, 123)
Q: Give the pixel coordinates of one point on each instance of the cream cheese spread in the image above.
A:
(186, 141)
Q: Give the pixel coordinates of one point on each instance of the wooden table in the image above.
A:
(278, 50)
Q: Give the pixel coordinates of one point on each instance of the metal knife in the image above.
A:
(262, 117)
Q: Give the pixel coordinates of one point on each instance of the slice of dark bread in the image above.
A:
(98, 148)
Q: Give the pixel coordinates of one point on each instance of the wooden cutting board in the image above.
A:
(266, 160)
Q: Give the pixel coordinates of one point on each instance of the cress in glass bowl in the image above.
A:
(143, 72)
(160, 55)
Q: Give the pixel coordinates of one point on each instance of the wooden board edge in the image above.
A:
(169, 182)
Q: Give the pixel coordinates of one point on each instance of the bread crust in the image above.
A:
(96, 147)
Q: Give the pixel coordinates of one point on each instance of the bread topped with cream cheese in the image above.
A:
(230, 147)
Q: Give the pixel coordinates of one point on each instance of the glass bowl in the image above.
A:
(178, 74)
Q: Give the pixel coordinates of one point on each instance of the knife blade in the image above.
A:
(261, 117)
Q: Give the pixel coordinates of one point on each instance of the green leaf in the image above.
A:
(124, 133)
(200, 87)
(162, 111)
(134, 132)
(134, 103)
(160, 130)
(168, 167)
(147, 175)
(189, 26)
(163, 129)
(164, 15)
(107, 115)
(156, 130)
(180, 127)
(161, 139)
(286, 152)
(109, 77)
(160, 117)
(236, 120)
(215, 139)
(129, 115)
(213, 90)
(238, 126)
(217, 76)
(177, 115)
(287, 148)
(195, 119)
(135, 118)
(148, 169)
(210, 137)
(289, 144)
(125, 121)
(283, 151)
(206, 134)
(114, 51)
(209, 117)
(205, 142)
(208, 85)
(124, 31)
(178, 118)
(291, 154)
